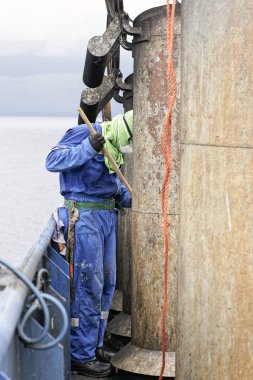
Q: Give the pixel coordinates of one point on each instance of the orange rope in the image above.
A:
(167, 153)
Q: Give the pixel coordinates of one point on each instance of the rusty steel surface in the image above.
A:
(125, 238)
(146, 362)
(215, 267)
(100, 46)
(126, 228)
(150, 107)
(147, 292)
(92, 96)
(117, 302)
(120, 325)
(124, 244)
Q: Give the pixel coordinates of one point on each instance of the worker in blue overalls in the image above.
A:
(90, 187)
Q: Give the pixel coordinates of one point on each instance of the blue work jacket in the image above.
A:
(83, 174)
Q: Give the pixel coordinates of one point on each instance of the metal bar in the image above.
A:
(99, 52)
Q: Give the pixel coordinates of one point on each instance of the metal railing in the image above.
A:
(13, 296)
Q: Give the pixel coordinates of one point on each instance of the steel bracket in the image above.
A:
(123, 85)
(131, 30)
(93, 100)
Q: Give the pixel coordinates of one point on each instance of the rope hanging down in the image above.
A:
(167, 153)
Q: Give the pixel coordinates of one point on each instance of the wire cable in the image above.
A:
(64, 328)
(39, 301)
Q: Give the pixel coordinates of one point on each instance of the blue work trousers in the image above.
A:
(94, 279)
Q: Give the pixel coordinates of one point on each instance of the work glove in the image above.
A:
(97, 141)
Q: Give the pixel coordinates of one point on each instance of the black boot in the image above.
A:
(104, 355)
(93, 368)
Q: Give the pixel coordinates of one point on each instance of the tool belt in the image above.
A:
(107, 205)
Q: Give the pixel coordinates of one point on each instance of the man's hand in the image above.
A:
(97, 141)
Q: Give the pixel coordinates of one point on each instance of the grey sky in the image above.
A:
(42, 52)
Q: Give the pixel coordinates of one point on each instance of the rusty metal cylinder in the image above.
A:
(150, 107)
(215, 303)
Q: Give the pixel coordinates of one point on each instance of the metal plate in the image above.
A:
(41, 364)
(58, 268)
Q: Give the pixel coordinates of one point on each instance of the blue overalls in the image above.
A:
(85, 178)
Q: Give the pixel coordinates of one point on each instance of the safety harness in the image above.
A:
(107, 205)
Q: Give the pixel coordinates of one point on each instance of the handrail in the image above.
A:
(14, 295)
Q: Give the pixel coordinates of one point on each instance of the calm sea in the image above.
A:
(28, 193)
